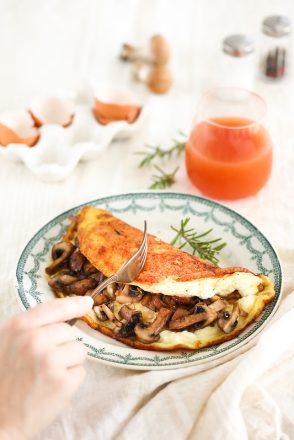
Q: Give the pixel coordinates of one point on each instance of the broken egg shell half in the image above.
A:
(112, 105)
(52, 110)
(17, 128)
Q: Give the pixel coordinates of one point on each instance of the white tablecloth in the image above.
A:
(50, 45)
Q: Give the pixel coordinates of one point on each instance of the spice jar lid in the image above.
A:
(238, 45)
(277, 25)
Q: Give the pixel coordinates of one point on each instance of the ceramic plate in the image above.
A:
(246, 246)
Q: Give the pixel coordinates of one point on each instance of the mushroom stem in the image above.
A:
(218, 305)
(59, 281)
(151, 333)
(108, 312)
(202, 314)
(126, 295)
(227, 322)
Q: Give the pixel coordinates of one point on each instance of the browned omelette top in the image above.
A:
(108, 242)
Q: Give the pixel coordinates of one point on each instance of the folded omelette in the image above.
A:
(178, 301)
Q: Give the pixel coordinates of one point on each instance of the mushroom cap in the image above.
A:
(61, 251)
(144, 335)
(159, 48)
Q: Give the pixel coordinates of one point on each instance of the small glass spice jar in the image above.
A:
(275, 47)
(237, 62)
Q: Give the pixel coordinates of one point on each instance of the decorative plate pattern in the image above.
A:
(246, 246)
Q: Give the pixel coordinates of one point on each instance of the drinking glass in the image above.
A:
(229, 151)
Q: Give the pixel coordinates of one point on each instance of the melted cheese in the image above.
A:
(184, 337)
(245, 283)
(247, 302)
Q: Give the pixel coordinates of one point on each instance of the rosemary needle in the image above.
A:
(205, 249)
(163, 179)
(155, 151)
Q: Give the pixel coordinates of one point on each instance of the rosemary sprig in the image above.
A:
(204, 248)
(163, 179)
(156, 152)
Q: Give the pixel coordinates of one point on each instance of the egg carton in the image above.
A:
(60, 148)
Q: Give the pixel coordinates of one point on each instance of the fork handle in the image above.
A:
(97, 290)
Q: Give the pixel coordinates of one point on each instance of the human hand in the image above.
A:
(40, 366)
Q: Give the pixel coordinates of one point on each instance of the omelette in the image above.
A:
(178, 301)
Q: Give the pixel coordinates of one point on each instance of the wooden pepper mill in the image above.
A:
(150, 66)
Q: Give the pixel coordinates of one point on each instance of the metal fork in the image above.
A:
(128, 271)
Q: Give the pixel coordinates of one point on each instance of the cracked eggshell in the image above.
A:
(112, 105)
(52, 110)
(17, 128)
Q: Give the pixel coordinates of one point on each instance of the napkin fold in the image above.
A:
(248, 394)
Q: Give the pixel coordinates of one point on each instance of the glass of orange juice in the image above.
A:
(229, 151)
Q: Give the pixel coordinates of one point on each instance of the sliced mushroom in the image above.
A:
(101, 298)
(131, 318)
(146, 300)
(124, 299)
(58, 249)
(169, 301)
(218, 305)
(153, 302)
(76, 261)
(150, 333)
(202, 314)
(185, 300)
(60, 253)
(211, 317)
(123, 296)
(180, 313)
(98, 276)
(156, 303)
(59, 281)
(81, 287)
(108, 312)
(101, 315)
(134, 291)
(228, 321)
(111, 289)
(89, 268)
(126, 312)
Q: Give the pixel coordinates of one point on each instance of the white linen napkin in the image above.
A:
(249, 396)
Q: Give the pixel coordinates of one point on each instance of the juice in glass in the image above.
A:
(229, 157)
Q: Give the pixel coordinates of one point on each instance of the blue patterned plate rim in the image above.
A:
(125, 357)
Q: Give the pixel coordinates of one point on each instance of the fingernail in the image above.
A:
(86, 301)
